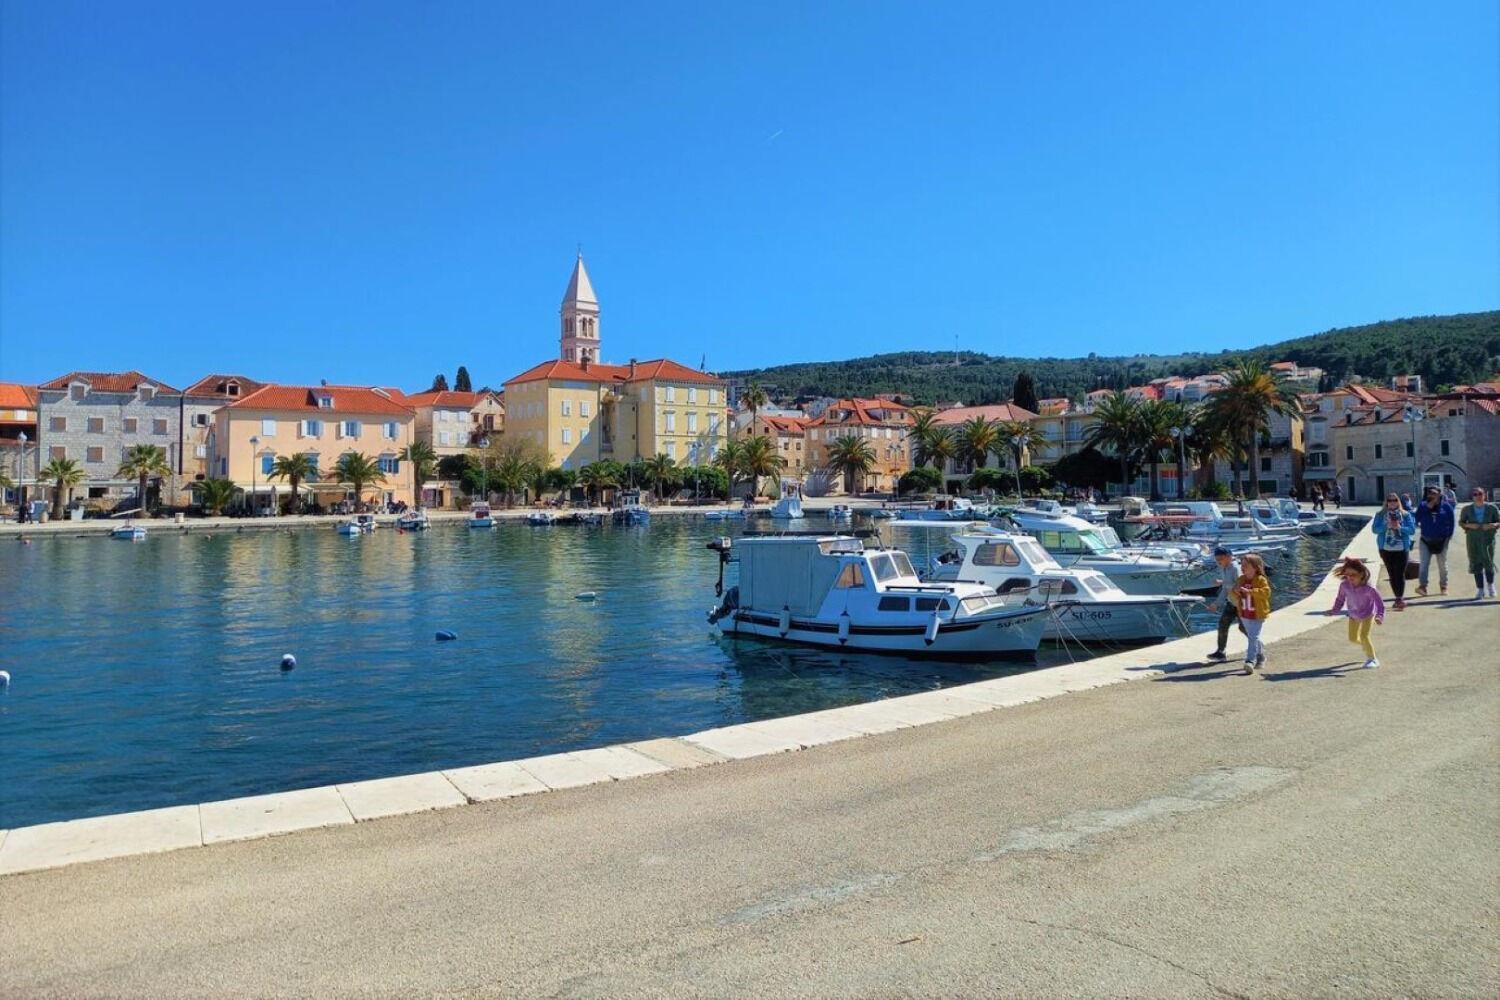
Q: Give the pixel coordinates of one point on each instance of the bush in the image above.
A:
(1034, 479)
(1214, 491)
(922, 479)
(1088, 467)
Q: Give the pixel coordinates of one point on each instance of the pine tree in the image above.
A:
(1024, 393)
(461, 380)
(439, 383)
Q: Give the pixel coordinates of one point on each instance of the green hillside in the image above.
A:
(1447, 350)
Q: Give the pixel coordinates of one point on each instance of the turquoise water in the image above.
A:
(146, 674)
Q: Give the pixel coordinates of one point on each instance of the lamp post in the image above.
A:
(1412, 415)
(21, 512)
(1015, 444)
(254, 447)
(1181, 458)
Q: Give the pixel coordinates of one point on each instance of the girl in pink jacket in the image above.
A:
(1361, 602)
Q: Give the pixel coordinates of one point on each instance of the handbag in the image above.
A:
(1435, 545)
(1412, 569)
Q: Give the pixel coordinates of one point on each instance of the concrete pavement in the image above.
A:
(1318, 830)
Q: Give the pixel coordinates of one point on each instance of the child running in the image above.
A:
(1361, 602)
(1253, 597)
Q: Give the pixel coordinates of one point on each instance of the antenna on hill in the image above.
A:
(955, 349)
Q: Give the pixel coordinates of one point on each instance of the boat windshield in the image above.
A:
(1073, 542)
(891, 565)
(1109, 537)
(1035, 554)
(980, 603)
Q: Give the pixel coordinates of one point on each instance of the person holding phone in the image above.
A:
(1395, 528)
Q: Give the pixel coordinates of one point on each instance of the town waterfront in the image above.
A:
(146, 674)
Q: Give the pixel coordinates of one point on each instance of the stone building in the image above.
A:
(1401, 447)
(199, 403)
(790, 435)
(95, 418)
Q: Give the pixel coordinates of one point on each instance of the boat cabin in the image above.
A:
(1017, 564)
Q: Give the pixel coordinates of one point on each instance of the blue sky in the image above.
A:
(376, 192)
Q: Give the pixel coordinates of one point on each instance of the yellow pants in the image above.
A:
(1359, 631)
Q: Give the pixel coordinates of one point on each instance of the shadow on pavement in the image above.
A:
(1337, 670)
(1233, 672)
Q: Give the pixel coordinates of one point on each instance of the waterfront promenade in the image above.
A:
(1319, 829)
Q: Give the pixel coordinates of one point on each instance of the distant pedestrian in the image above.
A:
(1450, 496)
(1435, 530)
(1479, 521)
(1338, 497)
(1361, 602)
(1253, 593)
(1227, 577)
(1407, 503)
(1317, 498)
(1395, 529)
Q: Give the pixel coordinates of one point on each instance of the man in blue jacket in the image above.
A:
(1435, 525)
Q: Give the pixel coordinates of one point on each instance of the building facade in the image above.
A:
(18, 441)
(789, 433)
(323, 422)
(95, 418)
(200, 401)
(956, 471)
(1282, 458)
(1449, 440)
(884, 424)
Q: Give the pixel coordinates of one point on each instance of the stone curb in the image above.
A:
(53, 845)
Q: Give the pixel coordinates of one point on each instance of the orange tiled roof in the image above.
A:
(448, 397)
(15, 396)
(659, 368)
(787, 425)
(107, 381)
(859, 411)
(346, 399)
(214, 385)
(998, 411)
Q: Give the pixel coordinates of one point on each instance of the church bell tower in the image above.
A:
(580, 318)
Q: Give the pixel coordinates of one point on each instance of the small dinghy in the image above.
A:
(413, 520)
(349, 529)
(544, 518)
(480, 516)
(129, 532)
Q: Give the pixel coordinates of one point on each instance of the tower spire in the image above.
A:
(579, 339)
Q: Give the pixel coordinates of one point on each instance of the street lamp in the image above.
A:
(254, 446)
(21, 512)
(1015, 444)
(1181, 457)
(1413, 415)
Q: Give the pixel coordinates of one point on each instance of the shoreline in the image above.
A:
(67, 842)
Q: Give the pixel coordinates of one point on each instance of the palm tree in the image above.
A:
(215, 494)
(731, 459)
(295, 469)
(853, 457)
(358, 471)
(758, 458)
(1116, 426)
(1180, 419)
(976, 439)
(65, 473)
(941, 447)
(1210, 441)
(509, 465)
(658, 468)
(1016, 438)
(920, 433)
(143, 462)
(1251, 396)
(754, 397)
(1156, 422)
(597, 476)
(423, 461)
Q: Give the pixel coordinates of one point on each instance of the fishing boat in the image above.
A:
(129, 533)
(542, 518)
(366, 522)
(1075, 543)
(1091, 608)
(480, 516)
(840, 512)
(944, 509)
(628, 508)
(828, 590)
(413, 520)
(350, 528)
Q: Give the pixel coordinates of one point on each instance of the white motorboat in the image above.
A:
(542, 518)
(1074, 543)
(840, 512)
(366, 522)
(1281, 512)
(787, 508)
(828, 590)
(1090, 608)
(413, 520)
(480, 516)
(350, 528)
(1203, 521)
(1090, 512)
(129, 533)
(737, 514)
(944, 509)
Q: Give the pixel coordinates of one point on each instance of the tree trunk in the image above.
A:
(141, 493)
(1254, 492)
(57, 502)
(1124, 474)
(1155, 488)
(1181, 483)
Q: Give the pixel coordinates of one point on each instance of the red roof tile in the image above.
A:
(15, 396)
(859, 411)
(447, 397)
(999, 411)
(787, 425)
(107, 381)
(216, 385)
(346, 399)
(660, 368)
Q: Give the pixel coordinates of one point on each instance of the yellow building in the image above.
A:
(883, 423)
(324, 422)
(453, 423)
(582, 411)
(790, 437)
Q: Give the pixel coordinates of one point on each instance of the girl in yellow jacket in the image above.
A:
(1252, 593)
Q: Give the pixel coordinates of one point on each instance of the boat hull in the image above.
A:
(1140, 581)
(1119, 621)
(984, 637)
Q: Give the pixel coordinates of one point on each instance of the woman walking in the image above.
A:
(1361, 602)
(1253, 597)
(1395, 528)
(1479, 522)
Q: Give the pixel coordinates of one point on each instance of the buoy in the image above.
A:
(4, 678)
(932, 630)
(785, 625)
(445, 636)
(587, 595)
(288, 661)
(844, 628)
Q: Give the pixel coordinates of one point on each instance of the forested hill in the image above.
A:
(1446, 350)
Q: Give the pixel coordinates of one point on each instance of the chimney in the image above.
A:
(632, 368)
(322, 381)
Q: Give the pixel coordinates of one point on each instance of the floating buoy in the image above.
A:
(4, 678)
(288, 661)
(785, 624)
(445, 636)
(586, 595)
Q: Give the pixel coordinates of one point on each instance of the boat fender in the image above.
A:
(444, 635)
(4, 678)
(932, 630)
(288, 661)
(844, 628)
(586, 595)
(785, 624)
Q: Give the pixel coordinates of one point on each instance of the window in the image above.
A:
(445, 439)
(200, 451)
(57, 424)
(692, 395)
(996, 554)
(883, 567)
(57, 452)
(390, 464)
(931, 604)
(96, 425)
(1409, 450)
(325, 402)
(77, 392)
(158, 427)
(895, 604)
(713, 424)
(567, 435)
(1054, 587)
(390, 430)
(1379, 451)
(312, 459)
(583, 407)
(94, 454)
(1349, 452)
(352, 428)
(692, 423)
(147, 392)
(267, 463)
(1443, 446)
(1014, 584)
(671, 417)
(713, 396)
(567, 408)
(851, 577)
(312, 428)
(267, 427)
(1265, 464)
(671, 449)
(130, 425)
(200, 419)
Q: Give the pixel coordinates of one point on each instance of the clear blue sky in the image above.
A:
(373, 192)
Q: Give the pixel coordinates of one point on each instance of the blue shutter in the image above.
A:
(267, 463)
